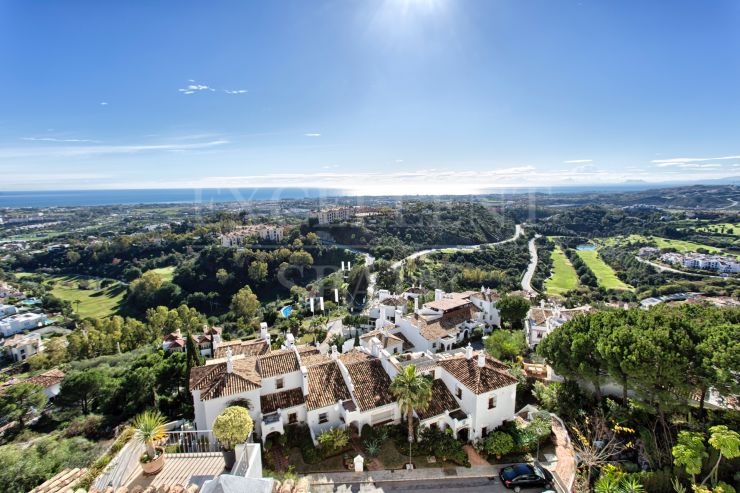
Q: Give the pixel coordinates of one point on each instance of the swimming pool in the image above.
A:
(586, 247)
(286, 311)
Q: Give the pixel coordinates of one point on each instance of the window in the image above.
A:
(279, 383)
(323, 418)
(292, 418)
(491, 402)
(459, 393)
(484, 431)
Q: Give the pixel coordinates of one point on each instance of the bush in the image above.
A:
(656, 481)
(372, 447)
(443, 446)
(334, 439)
(233, 426)
(498, 443)
(91, 426)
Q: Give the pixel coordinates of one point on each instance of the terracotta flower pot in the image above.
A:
(155, 465)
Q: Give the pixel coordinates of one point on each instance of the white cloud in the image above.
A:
(61, 151)
(193, 88)
(579, 161)
(677, 160)
(103, 103)
(399, 160)
(235, 91)
(312, 135)
(53, 139)
(689, 165)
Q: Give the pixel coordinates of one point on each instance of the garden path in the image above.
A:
(474, 457)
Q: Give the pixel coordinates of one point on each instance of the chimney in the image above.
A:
(381, 315)
(375, 346)
(481, 359)
(334, 352)
(468, 352)
(349, 265)
(289, 340)
(416, 303)
(399, 314)
(542, 303)
(263, 332)
(438, 293)
(304, 374)
(229, 363)
(482, 290)
(342, 264)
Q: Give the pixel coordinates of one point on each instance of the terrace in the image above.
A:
(191, 457)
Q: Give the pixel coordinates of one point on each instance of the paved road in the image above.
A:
(517, 233)
(452, 485)
(527, 279)
(663, 268)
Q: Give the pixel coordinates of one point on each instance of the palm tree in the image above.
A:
(149, 429)
(412, 392)
(77, 302)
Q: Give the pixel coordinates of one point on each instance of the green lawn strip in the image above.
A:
(605, 275)
(166, 273)
(564, 276)
(679, 245)
(93, 302)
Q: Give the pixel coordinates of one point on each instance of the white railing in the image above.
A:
(192, 443)
(247, 461)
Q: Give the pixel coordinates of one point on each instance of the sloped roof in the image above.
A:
(494, 375)
(325, 386)
(48, 378)
(431, 330)
(442, 400)
(281, 400)
(254, 347)
(278, 363)
(371, 383)
(214, 381)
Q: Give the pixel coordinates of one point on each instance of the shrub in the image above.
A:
(334, 439)
(372, 447)
(91, 426)
(498, 443)
(442, 445)
(232, 427)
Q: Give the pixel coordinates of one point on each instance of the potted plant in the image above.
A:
(232, 427)
(149, 430)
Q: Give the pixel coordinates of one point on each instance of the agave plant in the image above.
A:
(149, 429)
(372, 447)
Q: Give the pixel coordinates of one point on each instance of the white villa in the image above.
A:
(692, 260)
(20, 322)
(21, 347)
(439, 324)
(473, 393)
(7, 310)
(207, 342)
(542, 320)
(239, 237)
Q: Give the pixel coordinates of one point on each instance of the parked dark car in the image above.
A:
(520, 476)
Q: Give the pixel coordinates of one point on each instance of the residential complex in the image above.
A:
(334, 215)
(206, 342)
(243, 235)
(542, 320)
(719, 263)
(20, 322)
(21, 347)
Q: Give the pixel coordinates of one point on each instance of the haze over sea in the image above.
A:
(81, 198)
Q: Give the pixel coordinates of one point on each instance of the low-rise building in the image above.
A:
(7, 310)
(542, 320)
(20, 322)
(241, 236)
(20, 347)
(473, 393)
(50, 380)
(701, 261)
(207, 342)
(334, 215)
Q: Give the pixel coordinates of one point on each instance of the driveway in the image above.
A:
(451, 485)
(527, 279)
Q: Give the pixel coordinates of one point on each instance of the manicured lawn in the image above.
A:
(165, 273)
(564, 277)
(679, 245)
(605, 275)
(93, 302)
(723, 228)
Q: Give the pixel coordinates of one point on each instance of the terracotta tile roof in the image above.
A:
(312, 359)
(540, 315)
(406, 343)
(62, 482)
(278, 363)
(214, 381)
(399, 301)
(48, 378)
(325, 386)
(438, 328)
(254, 347)
(281, 400)
(451, 301)
(371, 384)
(492, 376)
(354, 356)
(442, 400)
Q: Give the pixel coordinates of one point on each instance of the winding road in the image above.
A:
(527, 279)
(398, 264)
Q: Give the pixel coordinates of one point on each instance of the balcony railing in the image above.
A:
(193, 442)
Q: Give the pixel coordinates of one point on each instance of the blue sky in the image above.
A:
(377, 96)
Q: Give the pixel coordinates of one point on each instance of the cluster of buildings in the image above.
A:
(207, 342)
(20, 347)
(702, 261)
(472, 392)
(244, 235)
(341, 214)
(15, 322)
(542, 320)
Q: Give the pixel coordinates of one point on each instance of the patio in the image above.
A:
(182, 470)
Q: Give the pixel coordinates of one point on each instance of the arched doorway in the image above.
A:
(463, 434)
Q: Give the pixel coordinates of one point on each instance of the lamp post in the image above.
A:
(411, 440)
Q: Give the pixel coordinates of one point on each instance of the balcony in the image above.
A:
(191, 457)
